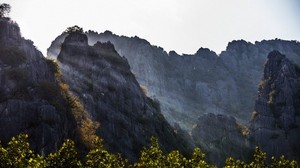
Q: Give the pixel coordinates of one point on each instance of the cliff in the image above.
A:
(275, 122)
(103, 82)
(31, 100)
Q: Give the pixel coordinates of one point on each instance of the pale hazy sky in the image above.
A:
(180, 25)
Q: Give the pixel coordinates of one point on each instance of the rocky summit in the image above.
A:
(275, 121)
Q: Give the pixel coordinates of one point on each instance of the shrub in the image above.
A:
(243, 129)
(144, 89)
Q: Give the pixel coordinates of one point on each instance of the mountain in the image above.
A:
(104, 83)
(188, 86)
(211, 96)
(31, 99)
(276, 119)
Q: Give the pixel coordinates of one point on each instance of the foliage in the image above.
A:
(245, 131)
(99, 157)
(144, 89)
(262, 85)
(152, 157)
(259, 161)
(74, 29)
(4, 9)
(283, 163)
(175, 160)
(18, 154)
(254, 115)
(86, 127)
(65, 157)
(272, 95)
(198, 160)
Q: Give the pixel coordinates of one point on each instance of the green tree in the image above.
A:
(65, 157)
(74, 29)
(198, 160)
(283, 163)
(231, 163)
(3, 157)
(18, 153)
(152, 157)
(175, 160)
(259, 160)
(100, 158)
(4, 9)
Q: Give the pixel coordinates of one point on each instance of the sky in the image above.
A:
(180, 25)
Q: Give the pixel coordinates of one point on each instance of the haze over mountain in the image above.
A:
(178, 25)
(225, 103)
(190, 85)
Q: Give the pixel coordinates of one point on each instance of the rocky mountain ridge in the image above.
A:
(188, 86)
(211, 96)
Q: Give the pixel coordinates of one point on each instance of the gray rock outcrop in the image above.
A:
(275, 124)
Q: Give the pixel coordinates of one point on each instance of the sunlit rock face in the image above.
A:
(275, 124)
(103, 82)
(188, 86)
(29, 94)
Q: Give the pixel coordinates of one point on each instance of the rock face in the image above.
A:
(30, 98)
(221, 136)
(102, 80)
(188, 86)
(275, 125)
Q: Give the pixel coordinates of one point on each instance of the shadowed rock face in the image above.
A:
(188, 86)
(29, 94)
(275, 125)
(221, 136)
(110, 93)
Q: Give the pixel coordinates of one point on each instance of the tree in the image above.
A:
(18, 154)
(4, 9)
(283, 163)
(74, 29)
(152, 157)
(101, 158)
(65, 157)
(198, 160)
(175, 160)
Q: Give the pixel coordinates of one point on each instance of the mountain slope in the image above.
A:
(102, 80)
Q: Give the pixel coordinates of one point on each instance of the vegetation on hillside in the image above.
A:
(17, 153)
(86, 127)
